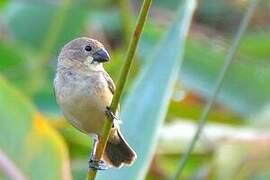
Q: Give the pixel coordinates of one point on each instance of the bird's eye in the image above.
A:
(88, 48)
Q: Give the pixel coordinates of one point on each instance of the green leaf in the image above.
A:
(146, 105)
(16, 65)
(3, 3)
(245, 90)
(11, 60)
(27, 139)
(204, 58)
(242, 159)
(30, 22)
(256, 46)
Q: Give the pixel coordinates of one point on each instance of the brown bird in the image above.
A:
(84, 92)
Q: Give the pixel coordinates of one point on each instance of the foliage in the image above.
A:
(162, 68)
(28, 139)
(32, 128)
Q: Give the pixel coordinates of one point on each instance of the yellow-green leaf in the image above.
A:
(28, 140)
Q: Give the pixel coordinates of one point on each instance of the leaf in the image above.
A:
(30, 22)
(16, 65)
(204, 58)
(3, 3)
(25, 136)
(256, 46)
(146, 105)
(78, 142)
(242, 158)
(245, 90)
(11, 60)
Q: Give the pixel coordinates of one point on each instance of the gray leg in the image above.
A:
(95, 142)
(110, 114)
(115, 119)
(93, 163)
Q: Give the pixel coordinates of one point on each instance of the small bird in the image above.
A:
(84, 92)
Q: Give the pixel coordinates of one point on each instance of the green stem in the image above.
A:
(121, 83)
(228, 61)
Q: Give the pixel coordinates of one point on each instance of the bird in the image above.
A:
(84, 91)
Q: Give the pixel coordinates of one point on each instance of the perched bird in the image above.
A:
(84, 92)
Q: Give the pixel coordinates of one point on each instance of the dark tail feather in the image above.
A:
(118, 152)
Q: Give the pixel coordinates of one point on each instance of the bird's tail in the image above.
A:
(118, 152)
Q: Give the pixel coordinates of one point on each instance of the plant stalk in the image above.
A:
(228, 61)
(121, 83)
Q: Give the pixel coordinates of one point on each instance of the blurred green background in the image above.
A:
(162, 101)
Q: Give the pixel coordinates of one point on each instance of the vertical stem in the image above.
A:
(228, 61)
(130, 54)
(121, 82)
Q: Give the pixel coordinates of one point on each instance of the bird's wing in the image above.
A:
(111, 86)
(109, 81)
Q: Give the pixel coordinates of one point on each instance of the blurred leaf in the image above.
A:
(79, 143)
(79, 167)
(203, 59)
(170, 4)
(17, 65)
(3, 3)
(146, 105)
(223, 14)
(79, 146)
(197, 162)
(245, 89)
(13, 63)
(256, 46)
(242, 159)
(28, 140)
(30, 22)
(150, 37)
(182, 109)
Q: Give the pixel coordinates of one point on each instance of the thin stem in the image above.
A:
(121, 83)
(228, 61)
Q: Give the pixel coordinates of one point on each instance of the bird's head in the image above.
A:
(84, 51)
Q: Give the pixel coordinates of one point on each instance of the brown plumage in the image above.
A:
(118, 152)
(84, 89)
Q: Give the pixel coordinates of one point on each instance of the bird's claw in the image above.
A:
(97, 164)
(110, 114)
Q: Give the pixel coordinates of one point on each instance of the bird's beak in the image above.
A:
(101, 56)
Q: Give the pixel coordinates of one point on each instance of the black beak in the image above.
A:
(101, 56)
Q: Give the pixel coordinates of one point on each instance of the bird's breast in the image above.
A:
(83, 100)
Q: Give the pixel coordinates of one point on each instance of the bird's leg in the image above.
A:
(94, 163)
(110, 114)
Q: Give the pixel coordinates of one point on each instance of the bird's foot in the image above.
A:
(97, 164)
(110, 114)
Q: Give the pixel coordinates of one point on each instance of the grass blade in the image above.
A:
(121, 83)
(146, 105)
(228, 61)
